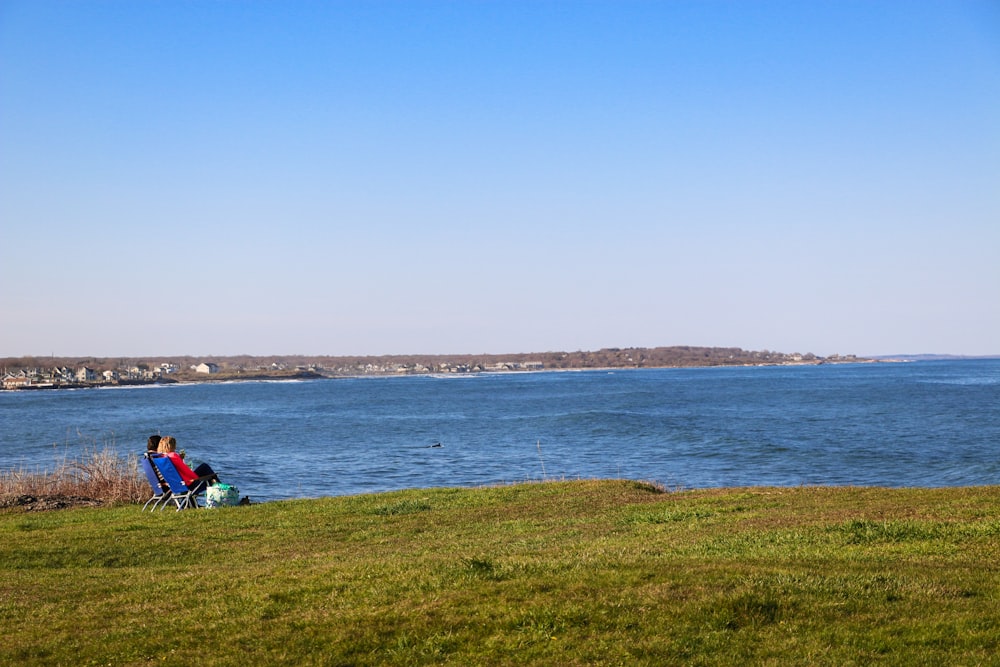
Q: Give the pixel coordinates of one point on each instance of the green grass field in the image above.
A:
(556, 573)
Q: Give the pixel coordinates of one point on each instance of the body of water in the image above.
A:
(928, 423)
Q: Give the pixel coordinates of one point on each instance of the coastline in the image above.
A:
(263, 377)
(304, 375)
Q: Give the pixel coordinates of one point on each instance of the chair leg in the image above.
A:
(155, 500)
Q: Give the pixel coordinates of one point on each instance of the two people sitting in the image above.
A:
(167, 446)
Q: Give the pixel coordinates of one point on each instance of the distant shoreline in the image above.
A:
(37, 373)
(168, 382)
(228, 377)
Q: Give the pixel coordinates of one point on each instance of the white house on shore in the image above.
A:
(206, 368)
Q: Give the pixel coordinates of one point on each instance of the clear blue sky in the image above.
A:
(221, 177)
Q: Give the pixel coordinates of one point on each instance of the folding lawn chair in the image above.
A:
(161, 490)
(184, 496)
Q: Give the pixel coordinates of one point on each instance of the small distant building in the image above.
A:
(206, 368)
(63, 374)
(12, 382)
(86, 374)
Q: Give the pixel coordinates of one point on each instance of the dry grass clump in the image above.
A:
(103, 475)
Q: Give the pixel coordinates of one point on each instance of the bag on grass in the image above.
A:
(222, 495)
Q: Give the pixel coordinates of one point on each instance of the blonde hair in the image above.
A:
(168, 443)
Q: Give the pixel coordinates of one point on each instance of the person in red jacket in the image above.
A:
(202, 473)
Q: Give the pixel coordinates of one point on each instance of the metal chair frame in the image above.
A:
(183, 495)
(161, 490)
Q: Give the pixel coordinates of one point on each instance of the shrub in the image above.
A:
(103, 475)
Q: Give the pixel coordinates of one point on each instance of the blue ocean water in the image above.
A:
(928, 423)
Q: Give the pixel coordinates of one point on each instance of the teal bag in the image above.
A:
(222, 495)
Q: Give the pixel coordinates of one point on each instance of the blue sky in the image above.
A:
(469, 177)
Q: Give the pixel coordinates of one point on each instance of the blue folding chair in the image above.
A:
(184, 496)
(161, 490)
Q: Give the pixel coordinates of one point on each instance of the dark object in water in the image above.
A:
(245, 500)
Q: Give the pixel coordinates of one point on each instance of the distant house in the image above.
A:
(12, 382)
(85, 374)
(206, 368)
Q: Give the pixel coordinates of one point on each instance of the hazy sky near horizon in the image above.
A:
(498, 177)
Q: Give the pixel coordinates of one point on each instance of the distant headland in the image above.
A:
(77, 372)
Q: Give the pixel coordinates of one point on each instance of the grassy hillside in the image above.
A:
(590, 572)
